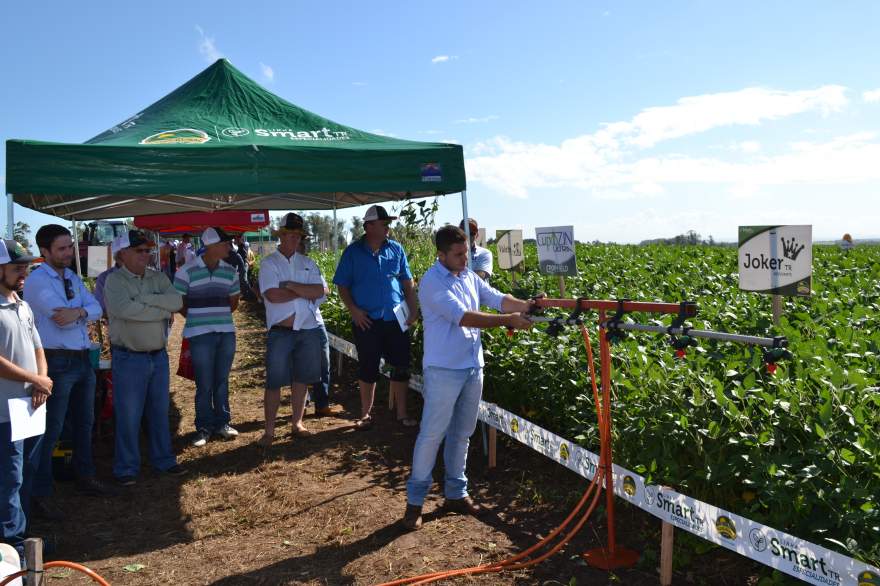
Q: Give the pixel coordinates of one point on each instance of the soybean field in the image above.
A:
(797, 449)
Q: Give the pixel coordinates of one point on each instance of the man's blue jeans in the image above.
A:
(212, 356)
(452, 402)
(321, 390)
(73, 389)
(140, 388)
(18, 467)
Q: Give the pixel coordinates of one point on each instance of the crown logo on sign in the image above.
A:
(790, 249)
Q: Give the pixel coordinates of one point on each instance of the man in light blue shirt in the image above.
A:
(62, 309)
(450, 295)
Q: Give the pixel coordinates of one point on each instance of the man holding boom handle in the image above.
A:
(450, 296)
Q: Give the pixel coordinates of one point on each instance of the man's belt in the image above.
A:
(282, 328)
(66, 352)
(124, 349)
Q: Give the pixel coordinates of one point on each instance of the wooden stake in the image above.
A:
(339, 363)
(493, 447)
(777, 309)
(666, 543)
(33, 553)
(561, 286)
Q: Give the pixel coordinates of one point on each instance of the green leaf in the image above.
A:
(134, 567)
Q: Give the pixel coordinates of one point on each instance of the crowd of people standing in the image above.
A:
(45, 349)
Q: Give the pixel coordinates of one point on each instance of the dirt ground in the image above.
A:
(325, 509)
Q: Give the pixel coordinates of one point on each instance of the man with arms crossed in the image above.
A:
(140, 302)
(450, 295)
(63, 307)
(373, 277)
(22, 374)
(292, 288)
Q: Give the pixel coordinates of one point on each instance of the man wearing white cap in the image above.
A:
(210, 289)
(23, 374)
(140, 302)
(293, 289)
(374, 281)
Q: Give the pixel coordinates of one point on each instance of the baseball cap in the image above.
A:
(293, 221)
(11, 252)
(128, 240)
(377, 213)
(214, 235)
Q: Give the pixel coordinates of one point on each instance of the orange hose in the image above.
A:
(60, 564)
(510, 563)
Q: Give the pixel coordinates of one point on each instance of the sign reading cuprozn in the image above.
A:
(777, 260)
(556, 250)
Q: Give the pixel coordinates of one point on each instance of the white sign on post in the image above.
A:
(556, 251)
(98, 259)
(776, 259)
(510, 250)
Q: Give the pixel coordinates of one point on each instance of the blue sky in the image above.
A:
(630, 120)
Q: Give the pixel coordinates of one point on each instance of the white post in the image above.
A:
(10, 216)
(76, 251)
(467, 226)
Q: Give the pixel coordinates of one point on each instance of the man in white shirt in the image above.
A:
(293, 289)
(23, 374)
(185, 251)
(480, 258)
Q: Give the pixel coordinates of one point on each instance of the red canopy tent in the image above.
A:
(232, 221)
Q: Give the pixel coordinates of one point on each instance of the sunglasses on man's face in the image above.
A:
(68, 289)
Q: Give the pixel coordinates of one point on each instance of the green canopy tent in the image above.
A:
(222, 142)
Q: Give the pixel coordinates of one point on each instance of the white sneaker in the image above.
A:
(201, 438)
(227, 432)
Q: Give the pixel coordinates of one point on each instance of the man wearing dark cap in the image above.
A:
(374, 280)
(480, 260)
(210, 289)
(293, 289)
(23, 374)
(140, 302)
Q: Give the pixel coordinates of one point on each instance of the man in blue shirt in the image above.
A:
(450, 295)
(374, 279)
(62, 308)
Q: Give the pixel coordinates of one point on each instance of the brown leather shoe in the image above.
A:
(465, 506)
(412, 518)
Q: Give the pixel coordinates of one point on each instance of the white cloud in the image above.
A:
(381, 132)
(359, 83)
(443, 58)
(612, 163)
(268, 72)
(871, 96)
(480, 120)
(749, 146)
(746, 107)
(207, 48)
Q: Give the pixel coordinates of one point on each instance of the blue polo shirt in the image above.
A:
(374, 277)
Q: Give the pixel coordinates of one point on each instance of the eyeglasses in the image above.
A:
(68, 289)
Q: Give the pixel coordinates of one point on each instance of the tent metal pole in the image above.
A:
(467, 226)
(76, 250)
(335, 236)
(10, 216)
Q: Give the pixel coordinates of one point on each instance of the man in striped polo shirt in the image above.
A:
(211, 290)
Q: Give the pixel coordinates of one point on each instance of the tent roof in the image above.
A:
(220, 141)
(234, 221)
